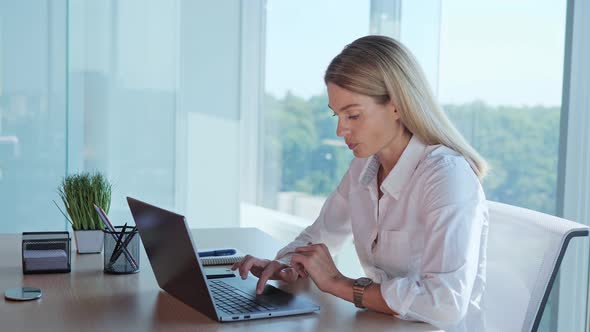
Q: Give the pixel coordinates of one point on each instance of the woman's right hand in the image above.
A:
(265, 269)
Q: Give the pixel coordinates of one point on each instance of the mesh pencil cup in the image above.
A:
(121, 251)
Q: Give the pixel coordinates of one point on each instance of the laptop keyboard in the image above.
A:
(234, 300)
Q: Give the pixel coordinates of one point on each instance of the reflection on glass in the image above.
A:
(122, 93)
(32, 113)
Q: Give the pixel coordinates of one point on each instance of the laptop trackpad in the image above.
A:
(275, 296)
(270, 294)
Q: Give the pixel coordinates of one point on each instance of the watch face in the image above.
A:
(363, 282)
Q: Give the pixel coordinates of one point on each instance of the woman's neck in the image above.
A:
(390, 155)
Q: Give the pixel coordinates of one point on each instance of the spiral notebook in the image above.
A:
(220, 260)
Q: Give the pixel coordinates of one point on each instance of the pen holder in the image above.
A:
(121, 251)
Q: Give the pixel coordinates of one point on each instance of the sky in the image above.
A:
(502, 52)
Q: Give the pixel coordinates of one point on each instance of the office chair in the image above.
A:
(525, 249)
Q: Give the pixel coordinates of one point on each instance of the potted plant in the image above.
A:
(79, 193)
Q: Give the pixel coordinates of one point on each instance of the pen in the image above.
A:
(123, 246)
(110, 227)
(119, 239)
(219, 252)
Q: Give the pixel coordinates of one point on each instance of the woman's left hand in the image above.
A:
(315, 261)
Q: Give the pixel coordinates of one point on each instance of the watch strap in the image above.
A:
(358, 291)
(357, 296)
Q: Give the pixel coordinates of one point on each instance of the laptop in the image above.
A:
(172, 253)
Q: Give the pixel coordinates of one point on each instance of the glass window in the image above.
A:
(304, 160)
(127, 88)
(122, 97)
(158, 113)
(32, 113)
(501, 85)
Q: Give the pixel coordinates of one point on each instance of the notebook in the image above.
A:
(221, 260)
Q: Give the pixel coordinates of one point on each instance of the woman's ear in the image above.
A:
(392, 110)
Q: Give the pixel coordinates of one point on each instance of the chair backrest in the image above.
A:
(525, 249)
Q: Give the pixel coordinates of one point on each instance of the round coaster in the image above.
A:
(23, 293)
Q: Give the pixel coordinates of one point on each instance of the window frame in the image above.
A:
(573, 167)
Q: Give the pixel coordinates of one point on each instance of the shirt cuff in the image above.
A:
(399, 294)
(285, 259)
(284, 255)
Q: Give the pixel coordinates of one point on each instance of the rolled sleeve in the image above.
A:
(439, 299)
(406, 291)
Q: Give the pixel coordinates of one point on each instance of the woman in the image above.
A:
(411, 198)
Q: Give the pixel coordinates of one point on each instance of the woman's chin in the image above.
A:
(360, 154)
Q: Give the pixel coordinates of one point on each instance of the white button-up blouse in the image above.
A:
(424, 241)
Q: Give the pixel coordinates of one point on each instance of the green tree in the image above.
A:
(520, 143)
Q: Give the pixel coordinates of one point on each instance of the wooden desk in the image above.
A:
(87, 299)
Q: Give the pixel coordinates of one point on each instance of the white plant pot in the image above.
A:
(89, 242)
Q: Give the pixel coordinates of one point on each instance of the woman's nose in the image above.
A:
(339, 130)
(342, 130)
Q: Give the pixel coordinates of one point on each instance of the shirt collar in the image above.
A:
(401, 173)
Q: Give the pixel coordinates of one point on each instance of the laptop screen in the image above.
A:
(169, 246)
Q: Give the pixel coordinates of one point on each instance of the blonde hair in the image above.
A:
(382, 68)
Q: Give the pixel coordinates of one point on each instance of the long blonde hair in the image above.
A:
(382, 68)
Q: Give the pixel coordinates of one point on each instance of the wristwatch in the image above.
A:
(358, 290)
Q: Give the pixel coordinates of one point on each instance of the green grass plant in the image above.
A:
(79, 193)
